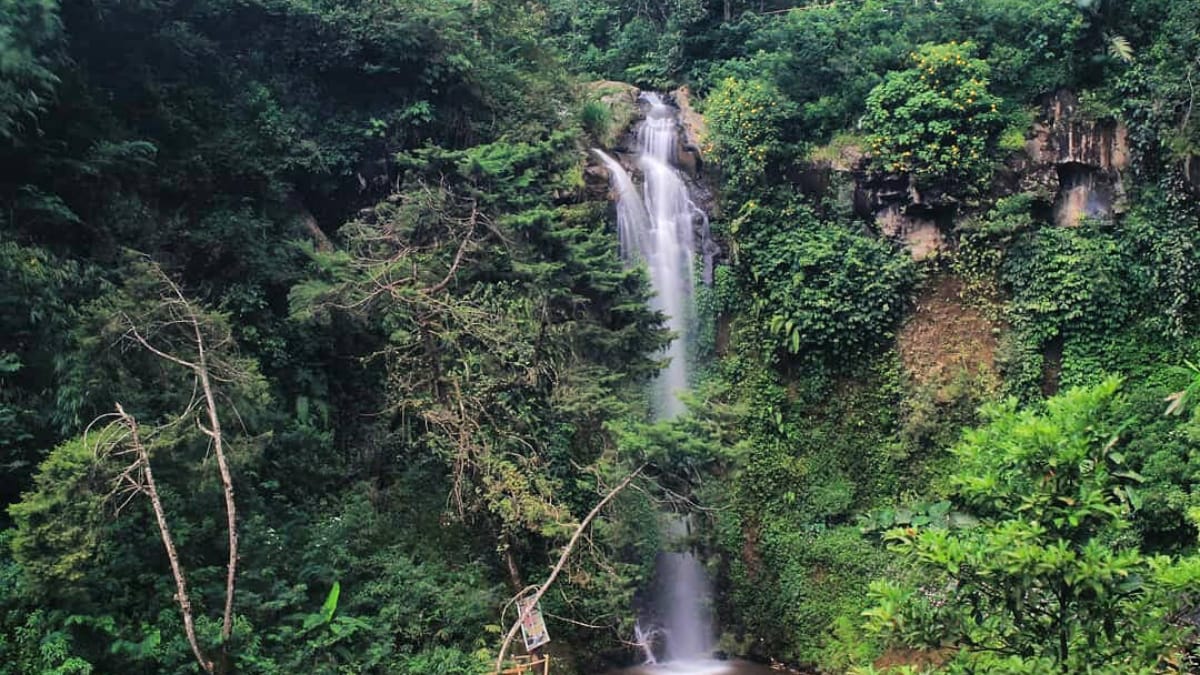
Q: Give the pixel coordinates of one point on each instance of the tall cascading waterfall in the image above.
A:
(659, 226)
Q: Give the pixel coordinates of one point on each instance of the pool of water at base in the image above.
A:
(705, 667)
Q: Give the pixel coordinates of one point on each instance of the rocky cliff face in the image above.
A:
(900, 211)
(621, 100)
(692, 133)
(1070, 161)
(1075, 161)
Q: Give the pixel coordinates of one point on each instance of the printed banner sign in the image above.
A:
(533, 627)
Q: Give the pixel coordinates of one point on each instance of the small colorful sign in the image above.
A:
(533, 626)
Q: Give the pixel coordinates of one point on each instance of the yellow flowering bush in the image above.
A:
(936, 120)
(745, 120)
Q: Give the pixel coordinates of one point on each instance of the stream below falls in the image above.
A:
(704, 667)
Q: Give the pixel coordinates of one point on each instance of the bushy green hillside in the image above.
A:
(415, 329)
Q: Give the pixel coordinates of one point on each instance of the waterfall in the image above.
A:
(658, 226)
(683, 597)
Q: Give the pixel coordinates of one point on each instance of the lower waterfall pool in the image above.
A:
(699, 667)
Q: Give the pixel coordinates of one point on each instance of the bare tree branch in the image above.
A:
(140, 477)
(183, 313)
(562, 561)
(458, 256)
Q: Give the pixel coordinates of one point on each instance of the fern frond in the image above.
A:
(1119, 47)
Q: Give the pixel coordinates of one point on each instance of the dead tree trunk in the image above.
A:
(185, 313)
(523, 608)
(138, 477)
(214, 432)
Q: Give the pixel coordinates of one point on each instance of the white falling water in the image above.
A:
(659, 228)
(683, 598)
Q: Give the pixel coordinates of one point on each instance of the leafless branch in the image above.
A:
(562, 561)
(140, 478)
(184, 313)
(458, 255)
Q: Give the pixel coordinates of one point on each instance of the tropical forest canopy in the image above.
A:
(316, 347)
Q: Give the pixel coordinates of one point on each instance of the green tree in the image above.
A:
(37, 294)
(1048, 579)
(936, 120)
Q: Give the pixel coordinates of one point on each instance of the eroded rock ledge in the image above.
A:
(1071, 162)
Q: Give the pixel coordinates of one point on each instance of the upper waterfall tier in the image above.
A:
(658, 227)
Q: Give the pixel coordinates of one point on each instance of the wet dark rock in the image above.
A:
(1074, 161)
(596, 180)
(1191, 172)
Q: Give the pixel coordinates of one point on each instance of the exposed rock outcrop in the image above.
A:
(1075, 161)
(596, 180)
(918, 230)
(690, 156)
(307, 222)
(621, 99)
(690, 159)
(903, 212)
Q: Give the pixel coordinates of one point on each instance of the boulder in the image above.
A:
(596, 179)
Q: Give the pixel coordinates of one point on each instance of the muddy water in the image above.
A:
(700, 668)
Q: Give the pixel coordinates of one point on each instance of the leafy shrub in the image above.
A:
(820, 288)
(1045, 578)
(1067, 280)
(712, 303)
(745, 121)
(799, 583)
(445, 661)
(936, 120)
(596, 119)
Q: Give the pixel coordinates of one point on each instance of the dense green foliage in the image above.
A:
(372, 223)
(819, 287)
(746, 117)
(936, 120)
(1047, 581)
(418, 331)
